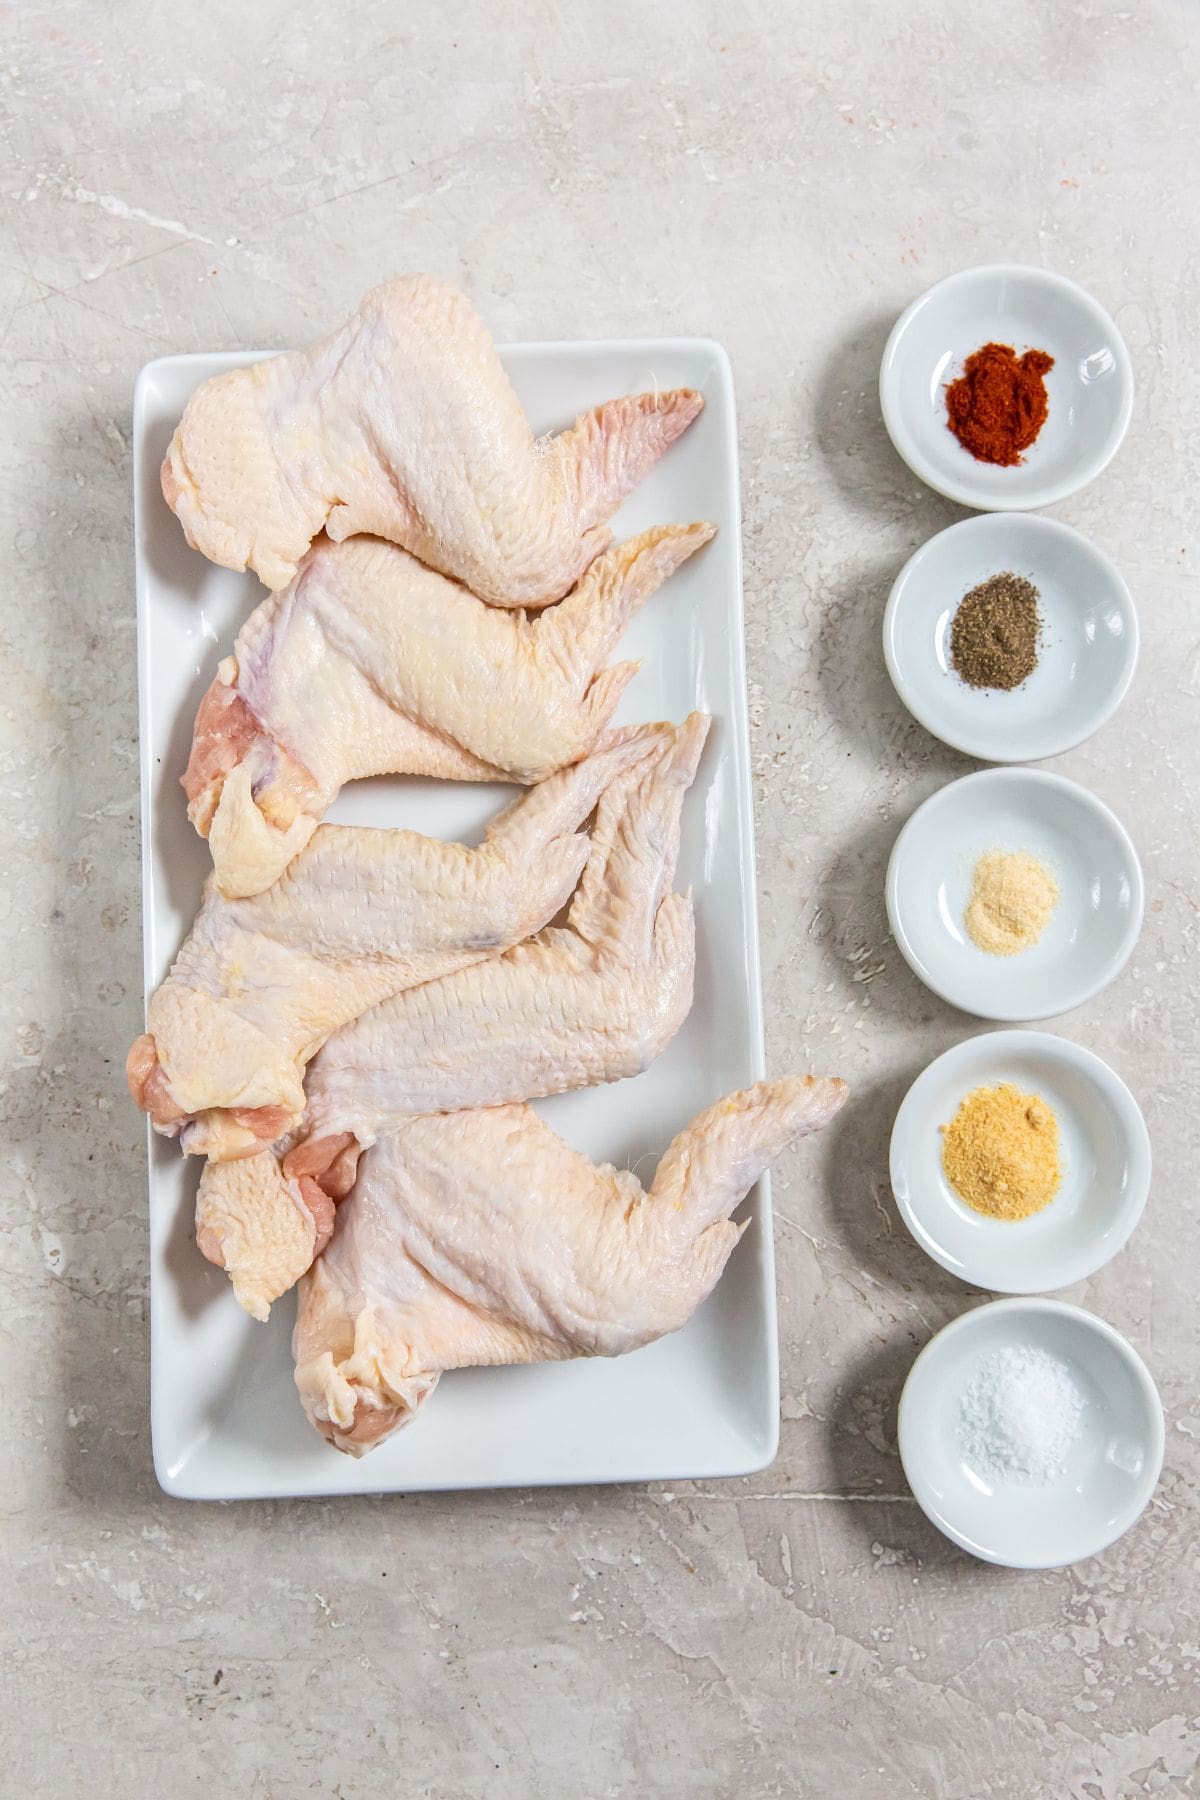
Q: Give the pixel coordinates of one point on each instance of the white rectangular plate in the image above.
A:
(705, 1402)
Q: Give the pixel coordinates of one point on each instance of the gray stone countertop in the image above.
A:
(784, 178)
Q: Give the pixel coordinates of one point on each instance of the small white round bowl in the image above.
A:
(1086, 658)
(1090, 387)
(1104, 1151)
(1092, 930)
(1108, 1475)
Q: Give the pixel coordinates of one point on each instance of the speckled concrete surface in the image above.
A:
(784, 178)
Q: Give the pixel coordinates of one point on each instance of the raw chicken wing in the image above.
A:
(482, 1238)
(372, 664)
(361, 914)
(403, 424)
(593, 1000)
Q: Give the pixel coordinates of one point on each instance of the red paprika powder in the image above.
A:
(999, 403)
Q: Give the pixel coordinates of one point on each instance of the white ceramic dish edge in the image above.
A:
(927, 716)
(999, 1046)
(1124, 1349)
(1109, 972)
(963, 492)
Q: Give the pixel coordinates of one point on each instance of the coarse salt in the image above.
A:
(1020, 1413)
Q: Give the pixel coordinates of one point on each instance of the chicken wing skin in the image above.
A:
(403, 424)
(361, 914)
(372, 664)
(591, 1001)
(482, 1238)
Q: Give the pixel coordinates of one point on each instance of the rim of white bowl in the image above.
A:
(964, 491)
(1108, 970)
(1143, 1379)
(1051, 528)
(1116, 1096)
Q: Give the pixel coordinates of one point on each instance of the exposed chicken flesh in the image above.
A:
(403, 424)
(591, 1001)
(361, 914)
(481, 1238)
(372, 664)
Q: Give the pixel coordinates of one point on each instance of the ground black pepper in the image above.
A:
(995, 633)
